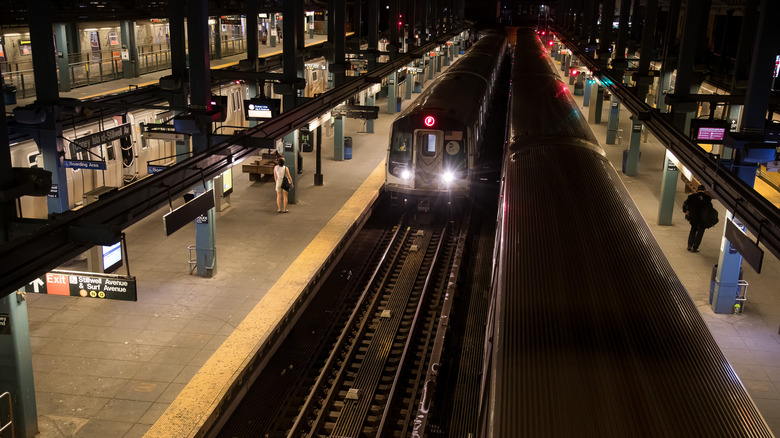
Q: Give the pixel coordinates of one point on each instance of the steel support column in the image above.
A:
(291, 148)
(391, 93)
(272, 29)
(217, 54)
(50, 132)
(668, 189)
(61, 37)
(16, 363)
(726, 286)
(369, 122)
(612, 120)
(337, 38)
(645, 54)
(178, 99)
(129, 65)
(200, 100)
(318, 160)
(632, 155)
(605, 40)
(338, 139)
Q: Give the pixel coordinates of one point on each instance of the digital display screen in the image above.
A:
(227, 182)
(112, 257)
(709, 134)
(261, 109)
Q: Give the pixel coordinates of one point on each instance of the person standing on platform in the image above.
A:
(693, 207)
(280, 173)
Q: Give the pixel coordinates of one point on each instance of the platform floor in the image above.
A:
(749, 340)
(111, 368)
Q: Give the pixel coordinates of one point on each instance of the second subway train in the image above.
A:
(591, 333)
(435, 143)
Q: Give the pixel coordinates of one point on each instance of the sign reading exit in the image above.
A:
(84, 284)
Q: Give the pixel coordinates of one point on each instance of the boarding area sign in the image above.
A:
(85, 284)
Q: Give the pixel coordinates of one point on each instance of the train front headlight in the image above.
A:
(448, 177)
(406, 174)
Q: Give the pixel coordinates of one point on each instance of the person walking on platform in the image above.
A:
(284, 183)
(694, 207)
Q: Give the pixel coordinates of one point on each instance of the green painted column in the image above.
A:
(217, 54)
(61, 39)
(632, 156)
(596, 102)
(291, 161)
(16, 371)
(391, 94)
(272, 31)
(206, 238)
(338, 139)
(129, 49)
(668, 190)
(370, 123)
(430, 67)
(612, 121)
(409, 83)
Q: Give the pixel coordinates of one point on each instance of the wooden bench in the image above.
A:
(261, 169)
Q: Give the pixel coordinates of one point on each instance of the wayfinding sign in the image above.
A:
(106, 136)
(85, 164)
(85, 284)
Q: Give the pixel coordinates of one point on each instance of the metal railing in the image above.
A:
(10, 415)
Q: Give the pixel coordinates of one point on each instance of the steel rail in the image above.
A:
(27, 257)
(760, 216)
(352, 322)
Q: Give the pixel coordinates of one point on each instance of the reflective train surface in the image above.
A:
(591, 333)
(435, 143)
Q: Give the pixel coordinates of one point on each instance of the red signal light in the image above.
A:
(544, 33)
(429, 121)
(574, 72)
(550, 43)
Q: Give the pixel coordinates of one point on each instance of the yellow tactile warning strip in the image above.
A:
(198, 402)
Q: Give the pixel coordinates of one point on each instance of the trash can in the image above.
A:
(9, 94)
(398, 101)
(347, 148)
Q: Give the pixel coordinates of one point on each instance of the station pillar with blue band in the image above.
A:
(632, 155)
(612, 121)
(391, 94)
(291, 162)
(369, 122)
(668, 190)
(16, 363)
(338, 139)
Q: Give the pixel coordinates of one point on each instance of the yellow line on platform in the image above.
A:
(197, 404)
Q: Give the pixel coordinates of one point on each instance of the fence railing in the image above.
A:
(89, 68)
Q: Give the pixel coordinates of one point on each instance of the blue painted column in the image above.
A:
(338, 139)
(370, 123)
(16, 363)
(61, 38)
(632, 157)
(612, 121)
(753, 120)
(668, 189)
(391, 94)
(291, 161)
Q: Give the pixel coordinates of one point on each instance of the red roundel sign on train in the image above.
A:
(429, 121)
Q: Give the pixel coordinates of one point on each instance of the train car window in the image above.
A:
(314, 75)
(110, 152)
(73, 151)
(427, 143)
(32, 160)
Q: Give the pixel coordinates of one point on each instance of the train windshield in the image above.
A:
(401, 144)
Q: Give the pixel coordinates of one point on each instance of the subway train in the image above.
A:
(435, 143)
(126, 161)
(591, 332)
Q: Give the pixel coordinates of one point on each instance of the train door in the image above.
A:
(428, 158)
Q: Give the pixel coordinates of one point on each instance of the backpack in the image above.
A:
(709, 216)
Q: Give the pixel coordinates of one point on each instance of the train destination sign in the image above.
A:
(85, 284)
(106, 136)
(85, 164)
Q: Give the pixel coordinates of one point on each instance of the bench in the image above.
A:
(261, 169)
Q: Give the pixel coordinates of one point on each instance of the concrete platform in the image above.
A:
(750, 339)
(112, 368)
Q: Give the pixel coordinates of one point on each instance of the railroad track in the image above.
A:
(371, 382)
(356, 362)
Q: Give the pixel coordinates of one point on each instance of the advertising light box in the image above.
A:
(112, 257)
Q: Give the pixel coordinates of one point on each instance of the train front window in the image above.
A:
(401, 144)
(427, 143)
